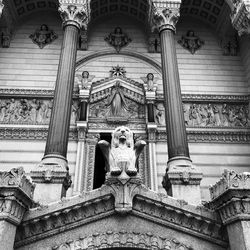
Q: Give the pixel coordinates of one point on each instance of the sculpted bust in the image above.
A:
(122, 154)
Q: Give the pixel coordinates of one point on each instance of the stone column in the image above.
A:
(54, 166)
(16, 193)
(182, 180)
(231, 199)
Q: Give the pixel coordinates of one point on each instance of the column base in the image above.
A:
(182, 180)
(52, 179)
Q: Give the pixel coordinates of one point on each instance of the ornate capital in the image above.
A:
(74, 13)
(240, 17)
(16, 193)
(166, 15)
(230, 196)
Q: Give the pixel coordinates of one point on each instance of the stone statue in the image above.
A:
(118, 39)
(150, 82)
(122, 154)
(84, 81)
(191, 42)
(43, 36)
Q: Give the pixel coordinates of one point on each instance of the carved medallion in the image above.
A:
(191, 42)
(118, 71)
(118, 39)
(43, 36)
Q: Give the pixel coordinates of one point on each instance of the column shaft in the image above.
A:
(57, 140)
(151, 117)
(176, 130)
(83, 111)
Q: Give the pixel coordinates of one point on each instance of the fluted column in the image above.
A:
(54, 167)
(180, 172)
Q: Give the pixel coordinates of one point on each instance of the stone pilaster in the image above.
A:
(179, 164)
(53, 169)
(80, 157)
(240, 17)
(16, 193)
(231, 199)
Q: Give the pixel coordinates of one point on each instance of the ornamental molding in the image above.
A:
(240, 17)
(166, 15)
(120, 239)
(119, 195)
(16, 193)
(230, 197)
(75, 12)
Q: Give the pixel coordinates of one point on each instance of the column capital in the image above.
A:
(230, 197)
(74, 12)
(166, 15)
(16, 193)
(240, 17)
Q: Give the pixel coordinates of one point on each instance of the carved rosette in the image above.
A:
(240, 17)
(230, 196)
(16, 193)
(74, 13)
(166, 15)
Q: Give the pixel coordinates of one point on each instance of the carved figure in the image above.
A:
(83, 40)
(74, 112)
(84, 81)
(150, 82)
(118, 39)
(160, 114)
(43, 36)
(117, 101)
(122, 154)
(191, 42)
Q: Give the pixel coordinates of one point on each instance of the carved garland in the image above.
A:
(112, 239)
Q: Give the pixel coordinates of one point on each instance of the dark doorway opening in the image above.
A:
(99, 169)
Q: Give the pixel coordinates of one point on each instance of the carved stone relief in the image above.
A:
(154, 43)
(210, 115)
(117, 71)
(84, 80)
(83, 40)
(30, 111)
(118, 39)
(123, 239)
(150, 82)
(43, 36)
(229, 46)
(191, 42)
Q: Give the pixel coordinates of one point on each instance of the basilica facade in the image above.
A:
(125, 124)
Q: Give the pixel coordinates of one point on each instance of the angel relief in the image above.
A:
(116, 107)
(150, 82)
(84, 80)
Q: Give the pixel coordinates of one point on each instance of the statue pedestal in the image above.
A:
(230, 198)
(16, 193)
(182, 181)
(52, 180)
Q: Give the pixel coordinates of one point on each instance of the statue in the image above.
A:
(43, 36)
(191, 42)
(84, 81)
(122, 154)
(118, 39)
(150, 82)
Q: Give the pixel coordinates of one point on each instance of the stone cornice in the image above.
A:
(74, 12)
(16, 193)
(42, 222)
(166, 15)
(231, 197)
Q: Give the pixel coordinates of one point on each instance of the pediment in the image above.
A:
(120, 215)
(131, 89)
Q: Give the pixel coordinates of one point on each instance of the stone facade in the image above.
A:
(140, 106)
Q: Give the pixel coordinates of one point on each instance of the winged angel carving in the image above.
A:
(150, 82)
(84, 80)
(122, 154)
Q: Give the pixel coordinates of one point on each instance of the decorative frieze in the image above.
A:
(31, 111)
(74, 13)
(210, 115)
(121, 239)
